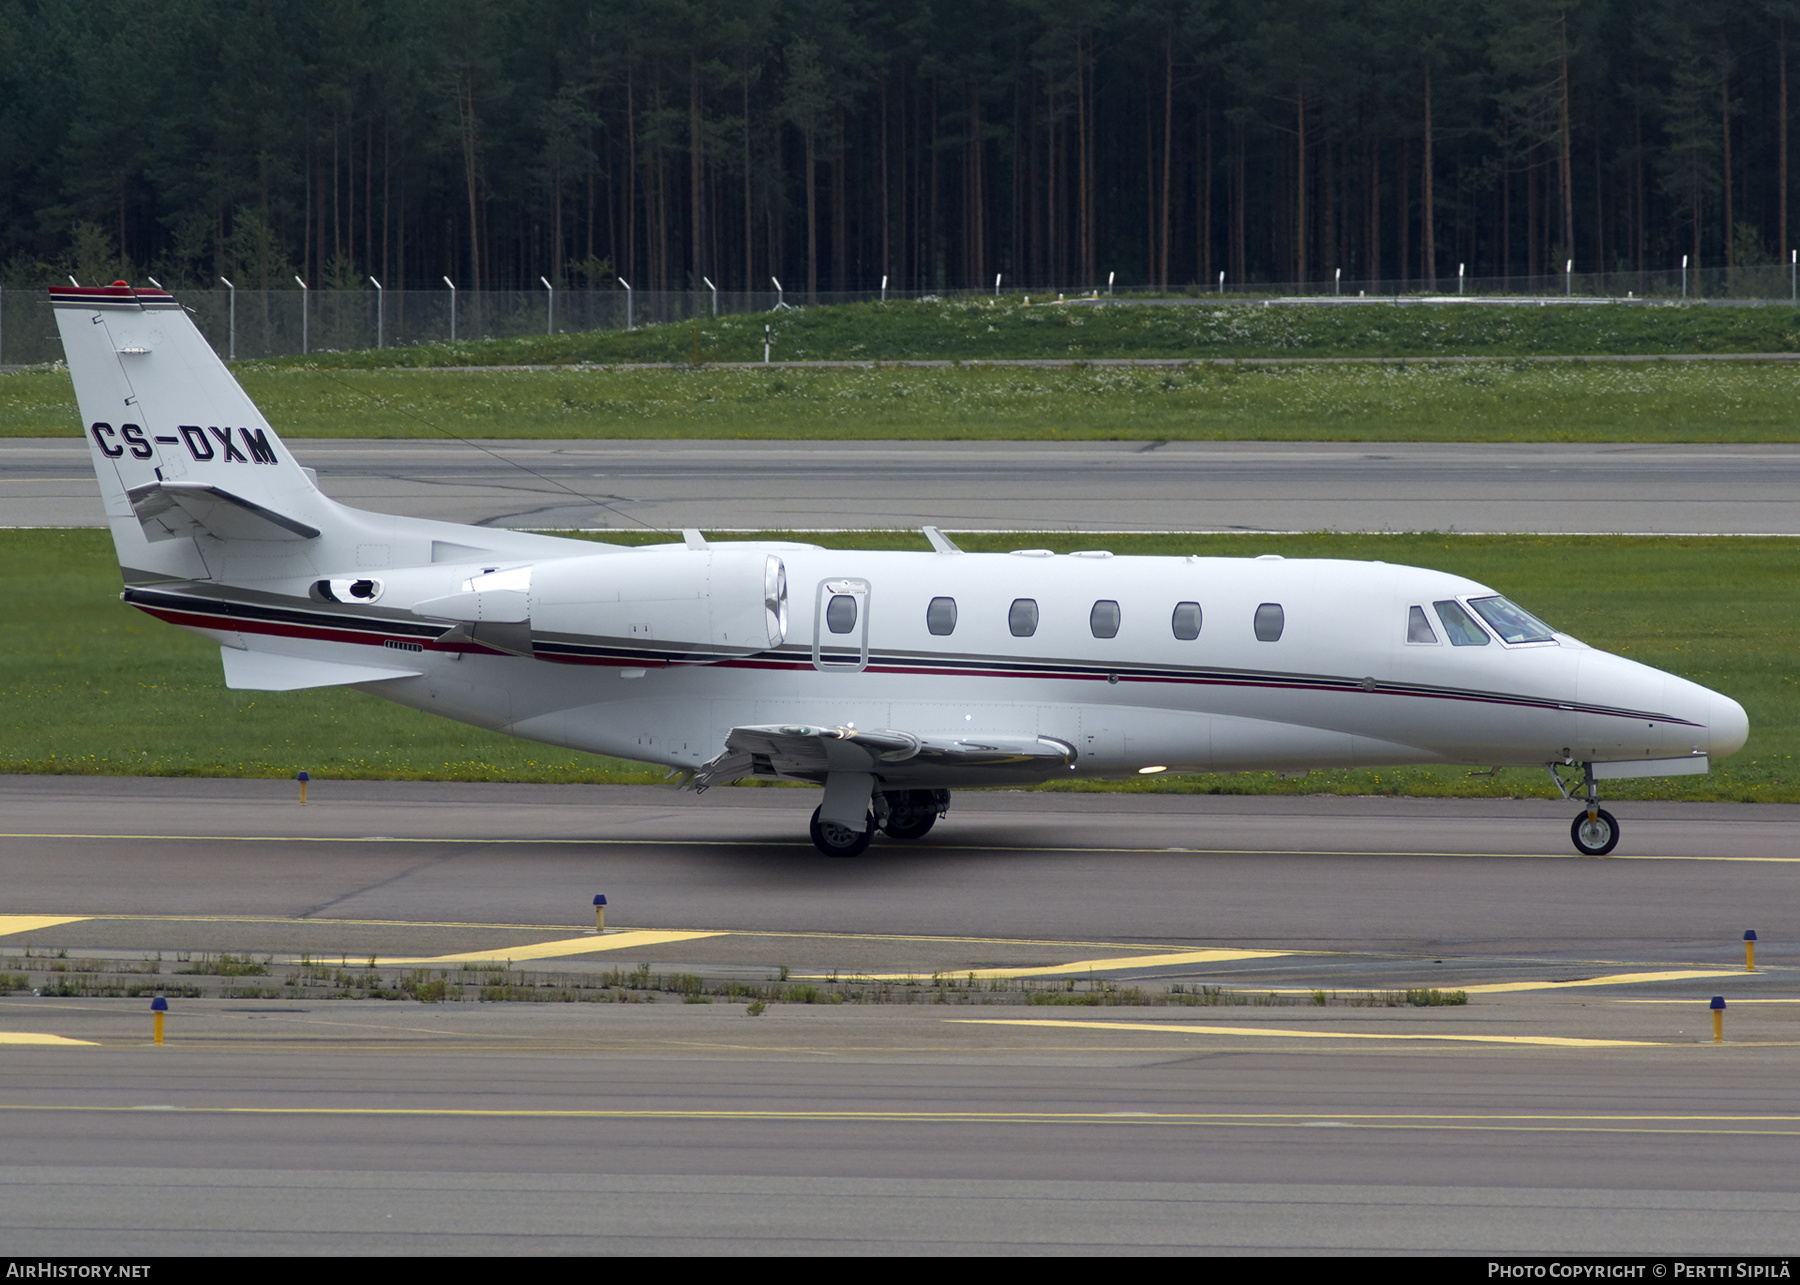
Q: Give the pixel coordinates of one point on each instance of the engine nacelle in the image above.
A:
(674, 605)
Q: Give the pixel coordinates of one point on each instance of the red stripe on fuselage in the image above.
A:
(369, 638)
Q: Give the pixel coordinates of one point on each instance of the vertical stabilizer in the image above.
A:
(168, 427)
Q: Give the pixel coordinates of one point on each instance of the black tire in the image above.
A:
(839, 840)
(1595, 838)
(911, 814)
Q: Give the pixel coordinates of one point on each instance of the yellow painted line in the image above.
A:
(1713, 1124)
(1548, 1041)
(1615, 979)
(1097, 965)
(10, 924)
(592, 944)
(33, 1037)
(718, 932)
(939, 847)
(104, 916)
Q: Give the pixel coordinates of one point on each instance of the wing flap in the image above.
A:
(808, 753)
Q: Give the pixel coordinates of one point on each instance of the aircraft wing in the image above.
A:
(804, 753)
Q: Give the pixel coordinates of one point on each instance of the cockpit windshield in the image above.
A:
(1512, 622)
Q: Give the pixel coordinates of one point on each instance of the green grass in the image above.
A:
(94, 687)
(1421, 401)
(992, 329)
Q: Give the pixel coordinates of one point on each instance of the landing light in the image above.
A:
(1151, 771)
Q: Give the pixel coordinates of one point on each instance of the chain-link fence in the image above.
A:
(249, 324)
(1762, 283)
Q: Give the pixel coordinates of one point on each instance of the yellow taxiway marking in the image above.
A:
(1549, 1041)
(717, 933)
(1616, 979)
(1096, 965)
(10, 924)
(593, 841)
(592, 944)
(33, 1037)
(1716, 1124)
(702, 932)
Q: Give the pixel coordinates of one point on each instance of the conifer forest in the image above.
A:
(834, 143)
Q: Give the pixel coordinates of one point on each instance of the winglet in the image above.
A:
(939, 540)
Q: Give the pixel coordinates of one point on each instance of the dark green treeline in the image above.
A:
(831, 142)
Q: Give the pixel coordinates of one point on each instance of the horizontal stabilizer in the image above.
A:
(261, 671)
(171, 510)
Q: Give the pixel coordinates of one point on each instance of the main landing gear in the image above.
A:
(900, 814)
(912, 813)
(1595, 831)
(836, 840)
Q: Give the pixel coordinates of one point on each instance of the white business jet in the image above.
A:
(888, 678)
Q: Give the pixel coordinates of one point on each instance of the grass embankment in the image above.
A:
(94, 687)
(400, 392)
(1421, 401)
(996, 329)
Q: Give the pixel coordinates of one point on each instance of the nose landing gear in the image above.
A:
(1595, 831)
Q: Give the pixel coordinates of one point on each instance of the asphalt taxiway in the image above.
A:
(1576, 1103)
(1535, 488)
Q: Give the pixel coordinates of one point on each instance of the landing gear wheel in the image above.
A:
(836, 840)
(911, 814)
(1596, 837)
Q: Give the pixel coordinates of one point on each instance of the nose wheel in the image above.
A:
(1595, 833)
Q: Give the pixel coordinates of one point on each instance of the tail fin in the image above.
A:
(178, 447)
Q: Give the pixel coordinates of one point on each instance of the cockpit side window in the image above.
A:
(1460, 625)
(1418, 627)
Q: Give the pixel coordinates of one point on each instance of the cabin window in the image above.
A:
(1270, 620)
(840, 614)
(1186, 621)
(1418, 626)
(1104, 619)
(1460, 626)
(1512, 622)
(1022, 618)
(940, 616)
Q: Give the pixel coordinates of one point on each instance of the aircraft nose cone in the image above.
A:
(1729, 725)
